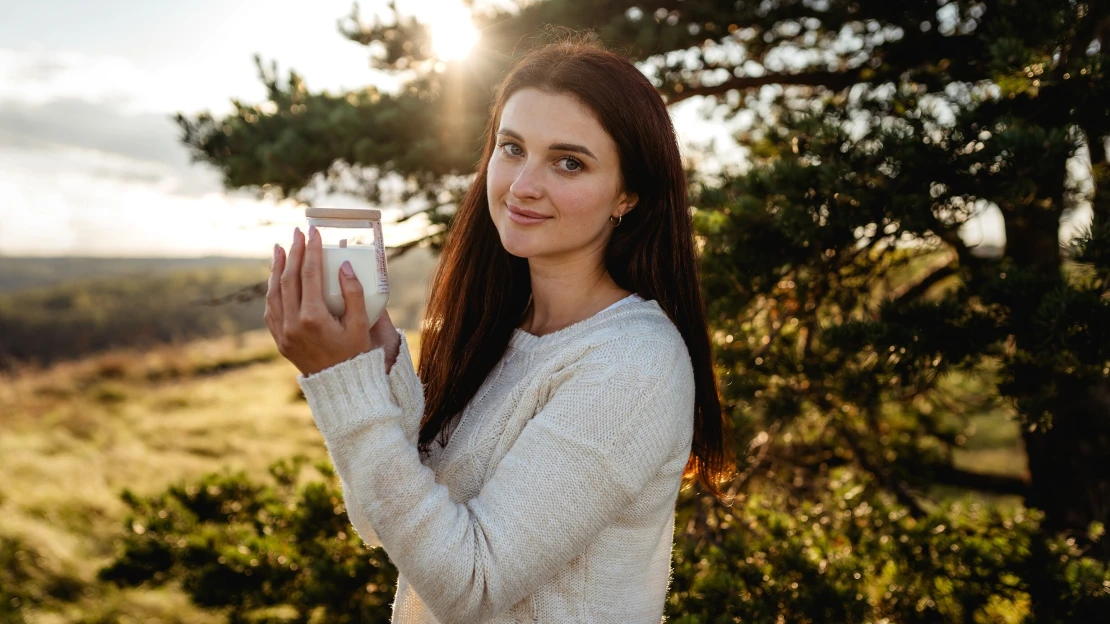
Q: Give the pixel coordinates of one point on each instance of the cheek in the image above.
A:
(497, 182)
(582, 205)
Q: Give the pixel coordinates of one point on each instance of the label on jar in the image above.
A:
(383, 276)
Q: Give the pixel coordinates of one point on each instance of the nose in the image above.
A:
(527, 184)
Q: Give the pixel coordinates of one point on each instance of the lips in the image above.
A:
(521, 216)
(527, 213)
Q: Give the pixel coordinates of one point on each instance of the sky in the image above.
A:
(90, 160)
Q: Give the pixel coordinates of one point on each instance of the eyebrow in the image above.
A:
(564, 147)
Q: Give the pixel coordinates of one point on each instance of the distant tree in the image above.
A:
(42, 326)
(859, 335)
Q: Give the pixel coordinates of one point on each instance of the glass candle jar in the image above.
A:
(353, 235)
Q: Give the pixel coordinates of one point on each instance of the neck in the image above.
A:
(565, 293)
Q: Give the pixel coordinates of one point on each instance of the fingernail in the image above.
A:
(347, 269)
(312, 232)
(296, 233)
(276, 248)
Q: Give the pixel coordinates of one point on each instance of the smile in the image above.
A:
(525, 217)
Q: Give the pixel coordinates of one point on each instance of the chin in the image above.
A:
(517, 247)
(517, 243)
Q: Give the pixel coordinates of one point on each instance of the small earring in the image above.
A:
(617, 221)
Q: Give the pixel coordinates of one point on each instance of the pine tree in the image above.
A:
(858, 334)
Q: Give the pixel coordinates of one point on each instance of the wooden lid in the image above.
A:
(359, 214)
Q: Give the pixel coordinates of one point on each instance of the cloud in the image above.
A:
(95, 138)
(71, 122)
(75, 209)
(74, 113)
(70, 210)
(91, 163)
(30, 222)
(36, 76)
(87, 167)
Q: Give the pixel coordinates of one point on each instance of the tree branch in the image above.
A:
(400, 250)
(408, 215)
(1083, 35)
(1096, 145)
(243, 295)
(898, 487)
(996, 484)
(832, 80)
(918, 289)
(1100, 199)
(910, 52)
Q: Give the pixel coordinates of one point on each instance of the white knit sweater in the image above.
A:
(554, 499)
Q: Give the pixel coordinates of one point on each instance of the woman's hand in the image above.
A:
(306, 333)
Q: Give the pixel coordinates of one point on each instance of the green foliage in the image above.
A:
(845, 294)
(853, 554)
(241, 547)
(849, 554)
(25, 581)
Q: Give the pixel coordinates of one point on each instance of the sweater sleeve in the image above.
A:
(408, 392)
(614, 418)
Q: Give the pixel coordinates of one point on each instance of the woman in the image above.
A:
(566, 386)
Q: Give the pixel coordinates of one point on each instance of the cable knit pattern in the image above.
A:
(553, 500)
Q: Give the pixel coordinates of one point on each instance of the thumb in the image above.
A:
(354, 313)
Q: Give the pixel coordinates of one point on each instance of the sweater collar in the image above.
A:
(524, 341)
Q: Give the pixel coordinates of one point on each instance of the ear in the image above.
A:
(627, 201)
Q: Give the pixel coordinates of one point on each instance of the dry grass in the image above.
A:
(73, 436)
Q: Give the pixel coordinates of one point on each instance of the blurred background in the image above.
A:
(902, 213)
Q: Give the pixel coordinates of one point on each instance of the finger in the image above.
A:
(354, 316)
(291, 279)
(383, 331)
(383, 324)
(312, 286)
(273, 314)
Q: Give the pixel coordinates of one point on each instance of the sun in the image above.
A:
(453, 32)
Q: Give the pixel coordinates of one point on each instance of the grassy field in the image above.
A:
(72, 437)
(113, 303)
(113, 407)
(75, 434)
(23, 273)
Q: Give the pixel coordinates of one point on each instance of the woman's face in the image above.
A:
(553, 159)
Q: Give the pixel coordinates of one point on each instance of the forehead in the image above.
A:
(554, 118)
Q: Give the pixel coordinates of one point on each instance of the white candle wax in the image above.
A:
(364, 260)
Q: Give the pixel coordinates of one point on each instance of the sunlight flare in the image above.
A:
(453, 32)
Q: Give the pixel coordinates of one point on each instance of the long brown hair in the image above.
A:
(480, 291)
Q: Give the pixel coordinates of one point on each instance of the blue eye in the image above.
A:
(511, 145)
(514, 150)
(571, 161)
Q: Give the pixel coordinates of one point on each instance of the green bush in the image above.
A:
(854, 555)
(244, 547)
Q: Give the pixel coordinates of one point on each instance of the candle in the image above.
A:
(364, 260)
